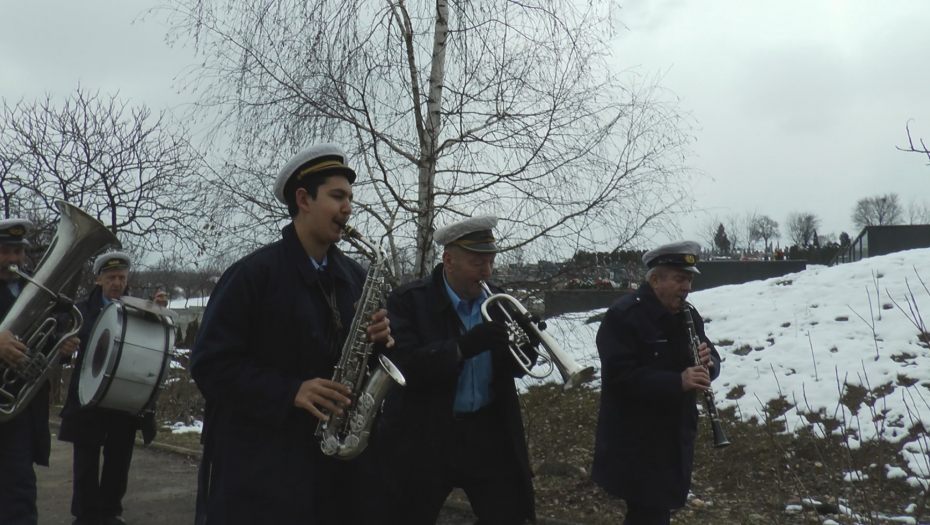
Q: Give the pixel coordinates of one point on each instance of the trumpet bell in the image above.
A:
(582, 376)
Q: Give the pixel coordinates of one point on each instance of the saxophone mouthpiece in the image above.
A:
(349, 231)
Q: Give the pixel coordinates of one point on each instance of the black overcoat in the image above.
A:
(90, 425)
(37, 410)
(644, 448)
(263, 333)
(415, 427)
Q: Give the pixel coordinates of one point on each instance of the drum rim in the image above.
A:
(168, 326)
(112, 362)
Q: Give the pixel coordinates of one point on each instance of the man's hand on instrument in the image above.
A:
(161, 298)
(704, 353)
(12, 351)
(695, 377)
(379, 330)
(69, 346)
(490, 335)
(323, 393)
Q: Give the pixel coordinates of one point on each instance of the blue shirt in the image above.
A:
(322, 265)
(14, 287)
(474, 390)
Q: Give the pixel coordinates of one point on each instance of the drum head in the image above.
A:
(102, 352)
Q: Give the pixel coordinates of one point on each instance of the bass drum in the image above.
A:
(128, 356)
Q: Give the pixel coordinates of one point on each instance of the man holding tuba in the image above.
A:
(97, 492)
(644, 448)
(457, 423)
(270, 337)
(25, 439)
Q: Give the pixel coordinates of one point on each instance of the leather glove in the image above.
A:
(492, 336)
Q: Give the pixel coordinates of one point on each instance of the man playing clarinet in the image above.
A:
(644, 449)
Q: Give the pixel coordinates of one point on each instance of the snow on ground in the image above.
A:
(181, 428)
(181, 303)
(804, 335)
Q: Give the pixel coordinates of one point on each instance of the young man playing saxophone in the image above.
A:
(271, 334)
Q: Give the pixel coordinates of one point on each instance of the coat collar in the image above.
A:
(648, 297)
(336, 263)
(438, 283)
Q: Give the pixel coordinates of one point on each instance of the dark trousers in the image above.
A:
(481, 462)
(98, 493)
(642, 515)
(17, 477)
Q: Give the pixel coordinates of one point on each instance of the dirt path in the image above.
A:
(162, 489)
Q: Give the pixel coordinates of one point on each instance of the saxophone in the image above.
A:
(345, 435)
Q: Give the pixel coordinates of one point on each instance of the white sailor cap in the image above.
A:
(13, 231)
(321, 159)
(475, 234)
(682, 255)
(111, 260)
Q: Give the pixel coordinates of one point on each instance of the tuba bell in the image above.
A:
(523, 328)
(32, 318)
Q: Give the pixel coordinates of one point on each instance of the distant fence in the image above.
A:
(722, 273)
(713, 274)
(565, 301)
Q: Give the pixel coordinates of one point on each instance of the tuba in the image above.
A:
(345, 435)
(32, 317)
(522, 326)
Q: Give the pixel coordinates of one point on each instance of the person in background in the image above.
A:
(97, 493)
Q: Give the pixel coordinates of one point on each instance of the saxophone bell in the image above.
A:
(345, 436)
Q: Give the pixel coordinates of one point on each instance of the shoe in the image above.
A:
(115, 520)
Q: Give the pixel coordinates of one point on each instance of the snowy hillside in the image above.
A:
(803, 336)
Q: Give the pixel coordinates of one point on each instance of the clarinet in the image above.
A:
(720, 439)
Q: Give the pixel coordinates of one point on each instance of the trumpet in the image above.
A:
(521, 326)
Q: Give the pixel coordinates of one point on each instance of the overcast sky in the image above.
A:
(798, 104)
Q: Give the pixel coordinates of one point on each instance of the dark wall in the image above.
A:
(890, 239)
(721, 273)
(565, 301)
(713, 274)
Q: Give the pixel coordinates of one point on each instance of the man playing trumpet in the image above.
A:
(457, 423)
(644, 448)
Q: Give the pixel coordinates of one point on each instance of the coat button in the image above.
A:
(657, 354)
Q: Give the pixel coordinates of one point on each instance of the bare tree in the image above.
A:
(708, 231)
(918, 212)
(738, 231)
(913, 148)
(447, 109)
(135, 171)
(879, 210)
(765, 228)
(802, 227)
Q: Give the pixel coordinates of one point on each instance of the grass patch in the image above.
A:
(751, 481)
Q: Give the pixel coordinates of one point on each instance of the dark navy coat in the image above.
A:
(263, 333)
(90, 425)
(644, 448)
(37, 410)
(414, 430)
